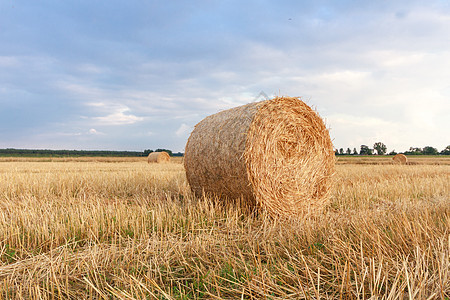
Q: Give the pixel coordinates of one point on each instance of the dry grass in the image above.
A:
(387, 160)
(129, 230)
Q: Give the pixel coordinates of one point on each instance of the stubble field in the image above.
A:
(123, 229)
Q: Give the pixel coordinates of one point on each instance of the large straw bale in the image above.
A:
(275, 153)
(158, 157)
(400, 159)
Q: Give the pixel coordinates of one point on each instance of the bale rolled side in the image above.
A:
(158, 157)
(400, 159)
(276, 153)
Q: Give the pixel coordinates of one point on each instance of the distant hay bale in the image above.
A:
(275, 153)
(158, 157)
(400, 159)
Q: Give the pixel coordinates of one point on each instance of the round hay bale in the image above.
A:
(158, 157)
(400, 159)
(275, 153)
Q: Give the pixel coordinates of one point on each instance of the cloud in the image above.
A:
(120, 117)
(8, 61)
(94, 132)
(183, 130)
(374, 70)
(114, 113)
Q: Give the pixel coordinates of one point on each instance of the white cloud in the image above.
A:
(9, 61)
(66, 133)
(358, 121)
(93, 131)
(96, 104)
(114, 113)
(183, 130)
(120, 117)
(396, 58)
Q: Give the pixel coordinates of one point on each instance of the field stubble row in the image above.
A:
(129, 230)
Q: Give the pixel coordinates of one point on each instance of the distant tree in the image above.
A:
(341, 151)
(365, 150)
(147, 152)
(380, 148)
(166, 150)
(65, 153)
(355, 152)
(336, 152)
(428, 150)
(348, 152)
(414, 151)
(446, 151)
(392, 152)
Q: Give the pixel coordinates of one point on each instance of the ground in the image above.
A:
(121, 228)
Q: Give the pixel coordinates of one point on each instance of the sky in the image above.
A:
(135, 75)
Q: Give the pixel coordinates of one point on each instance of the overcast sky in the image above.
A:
(135, 75)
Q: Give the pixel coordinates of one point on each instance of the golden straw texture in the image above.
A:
(158, 157)
(275, 153)
(400, 159)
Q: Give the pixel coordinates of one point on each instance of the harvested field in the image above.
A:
(128, 230)
(387, 160)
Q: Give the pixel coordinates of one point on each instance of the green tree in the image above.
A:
(414, 151)
(380, 148)
(446, 151)
(428, 150)
(355, 152)
(341, 151)
(147, 152)
(166, 150)
(365, 150)
(348, 152)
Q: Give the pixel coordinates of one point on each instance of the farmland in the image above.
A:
(121, 228)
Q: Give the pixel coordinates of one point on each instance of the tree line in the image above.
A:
(79, 153)
(380, 148)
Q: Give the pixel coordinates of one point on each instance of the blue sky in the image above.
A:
(135, 75)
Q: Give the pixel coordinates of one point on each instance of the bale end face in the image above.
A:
(290, 158)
